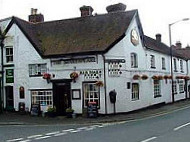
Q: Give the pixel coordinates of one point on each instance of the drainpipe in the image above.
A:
(186, 81)
(2, 78)
(105, 83)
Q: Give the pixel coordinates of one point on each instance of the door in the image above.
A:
(9, 98)
(62, 97)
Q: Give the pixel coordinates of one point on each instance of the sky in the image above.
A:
(155, 15)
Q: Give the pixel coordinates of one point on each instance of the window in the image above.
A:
(181, 65)
(9, 54)
(135, 91)
(163, 63)
(157, 92)
(91, 94)
(37, 69)
(152, 61)
(175, 65)
(175, 87)
(181, 86)
(134, 60)
(42, 97)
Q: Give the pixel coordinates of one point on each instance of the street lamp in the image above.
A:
(171, 53)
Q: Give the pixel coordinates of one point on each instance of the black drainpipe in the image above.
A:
(2, 72)
(105, 84)
(186, 81)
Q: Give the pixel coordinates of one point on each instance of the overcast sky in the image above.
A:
(155, 15)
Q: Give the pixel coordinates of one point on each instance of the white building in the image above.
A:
(104, 52)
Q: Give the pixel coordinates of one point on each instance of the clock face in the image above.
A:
(134, 37)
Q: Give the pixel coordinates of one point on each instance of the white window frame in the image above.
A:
(42, 97)
(92, 95)
(175, 87)
(181, 86)
(37, 69)
(9, 54)
(157, 88)
(134, 60)
(135, 91)
(175, 65)
(181, 65)
(152, 61)
(163, 63)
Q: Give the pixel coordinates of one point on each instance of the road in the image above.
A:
(171, 127)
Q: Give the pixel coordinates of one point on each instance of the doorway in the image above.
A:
(9, 98)
(61, 97)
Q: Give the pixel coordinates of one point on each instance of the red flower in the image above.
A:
(46, 76)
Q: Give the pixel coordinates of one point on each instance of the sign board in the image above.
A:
(9, 76)
(35, 109)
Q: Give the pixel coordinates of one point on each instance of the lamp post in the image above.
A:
(171, 54)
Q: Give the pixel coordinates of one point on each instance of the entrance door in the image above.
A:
(62, 97)
(9, 98)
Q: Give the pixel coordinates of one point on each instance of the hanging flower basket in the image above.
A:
(136, 77)
(166, 77)
(187, 78)
(160, 77)
(144, 77)
(179, 77)
(169, 77)
(155, 77)
(47, 76)
(74, 76)
(99, 83)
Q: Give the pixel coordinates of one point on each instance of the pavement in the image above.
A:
(15, 118)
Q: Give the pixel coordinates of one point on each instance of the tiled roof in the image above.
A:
(185, 52)
(80, 35)
(160, 47)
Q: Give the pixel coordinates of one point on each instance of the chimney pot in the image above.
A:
(86, 11)
(178, 45)
(158, 37)
(34, 17)
(116, 7)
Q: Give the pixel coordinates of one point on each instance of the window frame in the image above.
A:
(134, 93)
(181, 86)
(175, 64)
(45, 95)
(134, 60)
(157, 88)
(152, 62)
(38, 69)
(89, 98)
(163, 63)
(175, 87)
(10, 55)
(181, 65)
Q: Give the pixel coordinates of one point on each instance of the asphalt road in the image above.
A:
(172, 127)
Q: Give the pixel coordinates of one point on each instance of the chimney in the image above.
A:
(34, 17)
(86, 11)
(188, 47)
(158, 37)
(116, 7)
(178, 45)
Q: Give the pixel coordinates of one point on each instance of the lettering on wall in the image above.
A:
(114, 67)
(73, 61)
(91, 74)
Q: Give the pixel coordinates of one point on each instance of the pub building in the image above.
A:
(69, 63)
